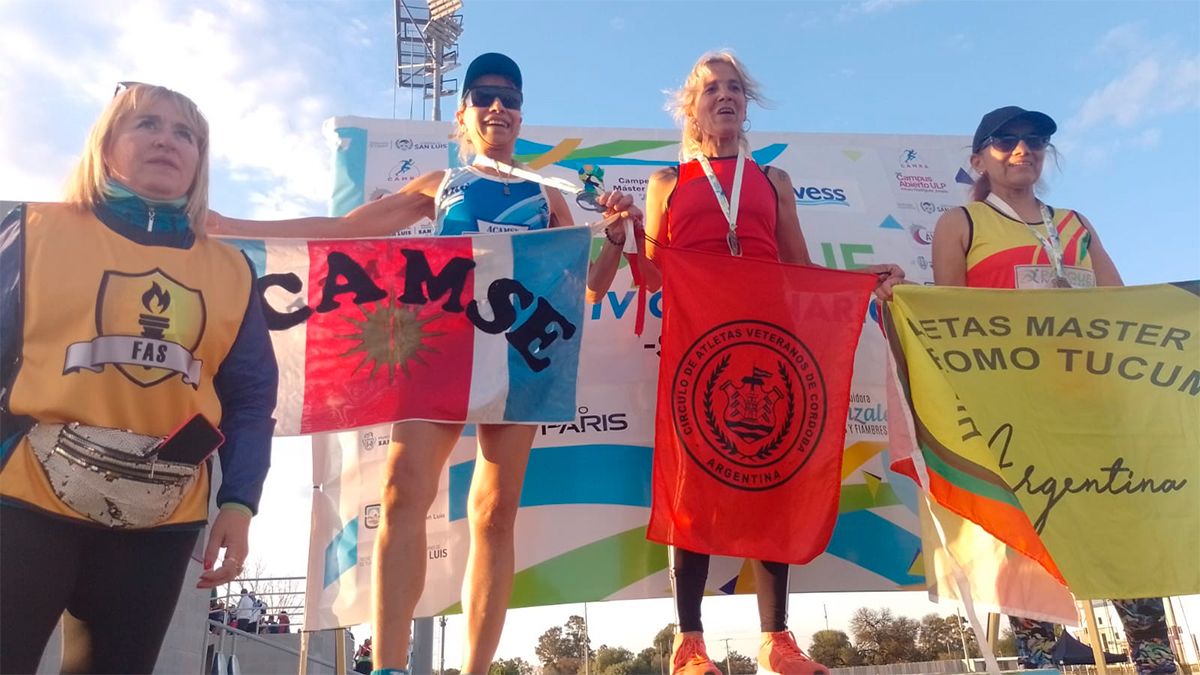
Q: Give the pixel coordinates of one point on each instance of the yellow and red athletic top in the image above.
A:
(1004, 253)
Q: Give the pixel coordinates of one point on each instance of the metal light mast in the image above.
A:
(427, 48)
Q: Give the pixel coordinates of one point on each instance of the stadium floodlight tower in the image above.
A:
(427, 47)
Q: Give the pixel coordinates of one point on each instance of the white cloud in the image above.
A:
(1155, 78)
(1122, 100)
(263, 106)
(1094, 154)
(1123, 39)
(873, 6)
(1154, 81)
(848, 11)
(1148, 138)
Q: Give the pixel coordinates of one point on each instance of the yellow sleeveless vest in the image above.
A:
(119, 334)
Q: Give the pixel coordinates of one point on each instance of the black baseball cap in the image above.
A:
(991, 122)
(492, 63)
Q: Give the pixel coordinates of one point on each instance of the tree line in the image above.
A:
(877, 637)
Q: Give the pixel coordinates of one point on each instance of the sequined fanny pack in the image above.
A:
(111, 476)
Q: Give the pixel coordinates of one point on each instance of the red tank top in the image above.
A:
(694, 216)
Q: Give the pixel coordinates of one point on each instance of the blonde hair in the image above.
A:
(465, 149)
(682, 102)
(85, 188)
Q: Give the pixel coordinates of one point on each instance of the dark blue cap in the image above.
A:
(991, 123)
(492, 63)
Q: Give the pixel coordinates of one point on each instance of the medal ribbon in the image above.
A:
(1049, 241)
(728, 206)
(560, 184)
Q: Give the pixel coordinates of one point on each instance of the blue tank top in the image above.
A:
(469, 201)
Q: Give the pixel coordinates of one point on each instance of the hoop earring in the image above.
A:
(746, 125)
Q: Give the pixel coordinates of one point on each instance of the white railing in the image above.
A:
(226, 630)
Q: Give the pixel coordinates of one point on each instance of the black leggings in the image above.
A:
(118, 588)
(691, 572)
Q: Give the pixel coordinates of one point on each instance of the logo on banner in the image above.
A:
(370, 442)
(149, 327)
(633, 184)
(909, 159)
(749, 404)
(919, 183)
(929, 207)
(372, 515)
(585, 422)
(865, 418)
(842, 194)
(404, 171)
(921, 234)
(406, 144)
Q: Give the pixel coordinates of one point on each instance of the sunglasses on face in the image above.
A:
(484, 96)
(1009, 142)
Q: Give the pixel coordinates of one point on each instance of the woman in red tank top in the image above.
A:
(683, 211)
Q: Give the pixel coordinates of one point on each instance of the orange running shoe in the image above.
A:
(780, 655)
(689, 657)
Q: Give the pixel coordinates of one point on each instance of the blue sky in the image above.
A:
(1121, 78)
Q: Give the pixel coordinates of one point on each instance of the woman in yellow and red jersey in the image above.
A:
(1000, 239)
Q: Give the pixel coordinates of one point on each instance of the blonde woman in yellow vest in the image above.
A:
(122, 322)
(1000, 239)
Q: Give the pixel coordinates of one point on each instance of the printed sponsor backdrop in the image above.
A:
(862, 199)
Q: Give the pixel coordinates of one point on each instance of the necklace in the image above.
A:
(499, 167)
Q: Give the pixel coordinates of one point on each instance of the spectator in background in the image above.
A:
(285, 622)
(245, 611)
(362, 658)
(256, 612)
(216, 612)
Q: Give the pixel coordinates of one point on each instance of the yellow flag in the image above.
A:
(1069, 414)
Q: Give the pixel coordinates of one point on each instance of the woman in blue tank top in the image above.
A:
(482, 197)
